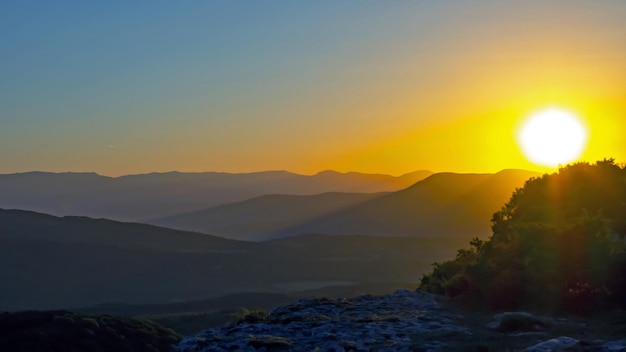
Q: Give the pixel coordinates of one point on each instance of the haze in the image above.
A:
(122, 88)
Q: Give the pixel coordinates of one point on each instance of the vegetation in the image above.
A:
(188, 324)
(63, 331)
(558, 245)
(252, 316)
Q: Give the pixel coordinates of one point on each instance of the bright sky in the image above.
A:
(121, 87)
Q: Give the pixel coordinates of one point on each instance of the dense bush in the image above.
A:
(51, 331)
(558, 244)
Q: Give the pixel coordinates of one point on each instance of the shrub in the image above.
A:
(251, 316)
(558, 244)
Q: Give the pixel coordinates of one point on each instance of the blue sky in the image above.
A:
(119, 87)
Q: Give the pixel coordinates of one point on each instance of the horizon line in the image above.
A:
(267, 171)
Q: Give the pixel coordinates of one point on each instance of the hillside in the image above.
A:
(263, 217)
(54, 263)
(26, 225)
(150, 196)
(443, 204)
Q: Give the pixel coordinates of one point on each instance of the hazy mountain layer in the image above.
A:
(264, 217)
(443, 204)
(50, 262)
(149, 196)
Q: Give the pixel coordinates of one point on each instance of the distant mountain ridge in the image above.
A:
(443, 204)
(149, 196)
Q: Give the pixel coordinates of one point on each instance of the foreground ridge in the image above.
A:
(402, 321)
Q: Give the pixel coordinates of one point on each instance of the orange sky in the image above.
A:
(308, 87)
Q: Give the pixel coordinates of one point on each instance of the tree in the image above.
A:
(558, 243)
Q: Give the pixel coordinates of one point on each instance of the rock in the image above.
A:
(518, 322)
(614, 346)
(556, 344)
(529, 334)
(396, 322)
(274, 343)
(402, 321)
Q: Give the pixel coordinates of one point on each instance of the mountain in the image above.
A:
(51, 262)
(47, 262)
(263, 217)
(149, 196)
(443, 204)
(26, 225)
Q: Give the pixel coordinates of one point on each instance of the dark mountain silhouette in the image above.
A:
(149, 196)
(27, 225)
(265, 216)
(443, 204)
(48, 262)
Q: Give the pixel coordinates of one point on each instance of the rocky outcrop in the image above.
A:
(402, 321)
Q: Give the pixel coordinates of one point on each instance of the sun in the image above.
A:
(551, 137)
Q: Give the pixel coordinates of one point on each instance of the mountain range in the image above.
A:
(302, 243)
(150, 196)
(441, 205)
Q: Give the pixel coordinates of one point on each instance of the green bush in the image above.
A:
(558, 244)
(251, 316)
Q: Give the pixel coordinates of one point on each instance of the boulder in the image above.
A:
(557, 344)
(509, 322)
(614, 346)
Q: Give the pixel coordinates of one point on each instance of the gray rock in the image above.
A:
(614, 346)
(527, 334)
(402, 321)
(365, 323)
(556, 344)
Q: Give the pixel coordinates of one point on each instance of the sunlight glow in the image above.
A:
(551, 137)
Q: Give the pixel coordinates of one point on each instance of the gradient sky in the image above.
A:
(120, 87)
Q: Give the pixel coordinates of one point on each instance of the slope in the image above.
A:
(263, 217)
(444, 204)
(49, 263)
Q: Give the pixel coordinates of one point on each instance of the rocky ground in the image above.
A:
(403, 321)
